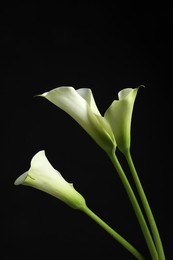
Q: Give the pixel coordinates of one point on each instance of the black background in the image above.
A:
(106, 48)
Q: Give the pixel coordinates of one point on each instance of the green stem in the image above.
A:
(146, 206)
(136, 207)
(113, 233)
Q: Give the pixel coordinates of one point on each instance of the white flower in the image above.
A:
(110, 130)
(44, 177)
(80, 105)
(119, 115)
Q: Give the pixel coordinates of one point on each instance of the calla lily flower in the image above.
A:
(81, 106)
(119, 115)
(110, 130)
(44, 177)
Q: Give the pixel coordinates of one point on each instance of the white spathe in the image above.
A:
(119, 115)
(110, 130)
(44, 177)
(81, 106)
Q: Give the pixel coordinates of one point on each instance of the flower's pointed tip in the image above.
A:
(44, 94)
(41, 152)
(141, 86)
(41, 95)
(20, 179)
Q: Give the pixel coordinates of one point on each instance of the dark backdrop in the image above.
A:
(105, 48)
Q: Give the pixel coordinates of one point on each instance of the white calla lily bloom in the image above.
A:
(110, 130)
(119, 115)
(44, 177)
(81, 106)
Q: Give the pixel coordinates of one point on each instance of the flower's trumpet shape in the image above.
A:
(81, 106)
(119, 115)
(44, 177)
(110, 130)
